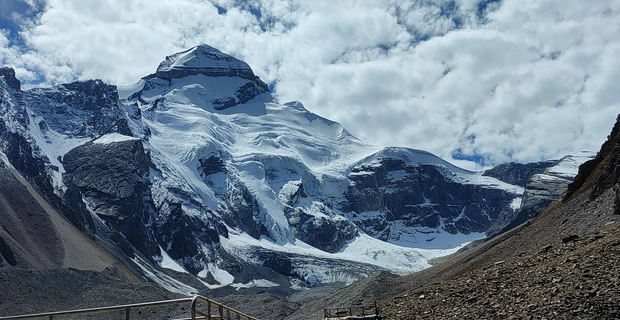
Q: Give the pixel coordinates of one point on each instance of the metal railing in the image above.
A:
(214, 310)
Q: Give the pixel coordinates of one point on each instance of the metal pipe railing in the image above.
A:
(195, 313)
(220, 309)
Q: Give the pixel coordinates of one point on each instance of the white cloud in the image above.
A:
(530, 80)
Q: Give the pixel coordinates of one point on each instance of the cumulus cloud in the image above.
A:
(493, 81)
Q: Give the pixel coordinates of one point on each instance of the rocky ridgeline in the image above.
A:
(605, 166)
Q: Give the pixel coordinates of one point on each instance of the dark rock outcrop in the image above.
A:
(9, 76)
(539, 192)
(112, 178)
(244, 94)
(605, 168)
(178, 234)
(519, 173)
(422, 196)
(80, 109)
(6, 253)
(20, 154)
(321, 232)
(241, 209)
(546, 182)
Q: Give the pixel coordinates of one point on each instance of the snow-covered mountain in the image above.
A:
(199, 170)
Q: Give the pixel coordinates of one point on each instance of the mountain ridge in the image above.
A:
(197, 165)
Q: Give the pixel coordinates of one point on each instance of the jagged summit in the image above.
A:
(205, 60)
(9, 76)
(208, 77)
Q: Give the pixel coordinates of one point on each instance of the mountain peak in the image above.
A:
(9, 76)
(203, 59)
(207, 64)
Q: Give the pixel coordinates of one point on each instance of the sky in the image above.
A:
(476, 82)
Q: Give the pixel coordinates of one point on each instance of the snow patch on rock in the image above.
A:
(114, 137)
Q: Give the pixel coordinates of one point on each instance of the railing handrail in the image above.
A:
(129, 307)
(208, 301)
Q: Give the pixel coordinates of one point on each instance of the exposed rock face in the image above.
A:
(519, 173)
(321, 232)
(112, 179)
(9, 76)
(606, 167)
(609, 160)
(242, 95)
(81, 109)
(6, 253)
(12, 104)
(540, 191)
(546, 182)
(19, 152)
(419, 196)
(242, 210)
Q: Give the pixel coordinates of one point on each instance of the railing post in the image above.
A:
(193, 308)
(376, 308)
(127, 311)
(209, 309)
